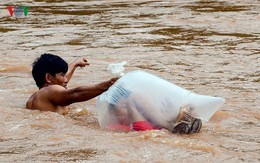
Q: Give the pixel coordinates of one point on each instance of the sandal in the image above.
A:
(185, 127)
(196, 126)
(182, 128)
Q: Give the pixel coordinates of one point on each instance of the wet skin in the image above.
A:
(54, 95)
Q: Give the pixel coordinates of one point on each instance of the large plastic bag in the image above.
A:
(156, 99)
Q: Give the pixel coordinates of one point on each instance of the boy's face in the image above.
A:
(60, 79)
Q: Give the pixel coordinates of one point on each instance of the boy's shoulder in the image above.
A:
(50, 88)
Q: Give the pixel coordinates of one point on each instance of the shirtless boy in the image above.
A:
(52, 74)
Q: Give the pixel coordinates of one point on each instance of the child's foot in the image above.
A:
(181, 128)
(185, 127)
(196, 125)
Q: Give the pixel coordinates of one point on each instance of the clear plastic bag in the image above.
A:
(117, 69)
(139, 93)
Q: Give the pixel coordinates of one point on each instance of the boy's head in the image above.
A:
(47, 64)
(118, 114)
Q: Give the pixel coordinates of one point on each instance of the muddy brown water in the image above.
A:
(209, 47)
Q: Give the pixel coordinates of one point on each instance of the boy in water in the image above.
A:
(52, 74)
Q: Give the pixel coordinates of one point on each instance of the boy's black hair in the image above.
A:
(47, 63)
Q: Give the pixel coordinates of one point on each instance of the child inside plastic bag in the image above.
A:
(140, 101)
(128, 115)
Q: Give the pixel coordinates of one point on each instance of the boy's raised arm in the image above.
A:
(80, 62)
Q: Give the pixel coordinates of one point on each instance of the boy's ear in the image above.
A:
(48, 78)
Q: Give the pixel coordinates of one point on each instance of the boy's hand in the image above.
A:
(109, 83)
(81, 62)
(113, 80)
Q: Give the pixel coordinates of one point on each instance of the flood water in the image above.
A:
(209, 47)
